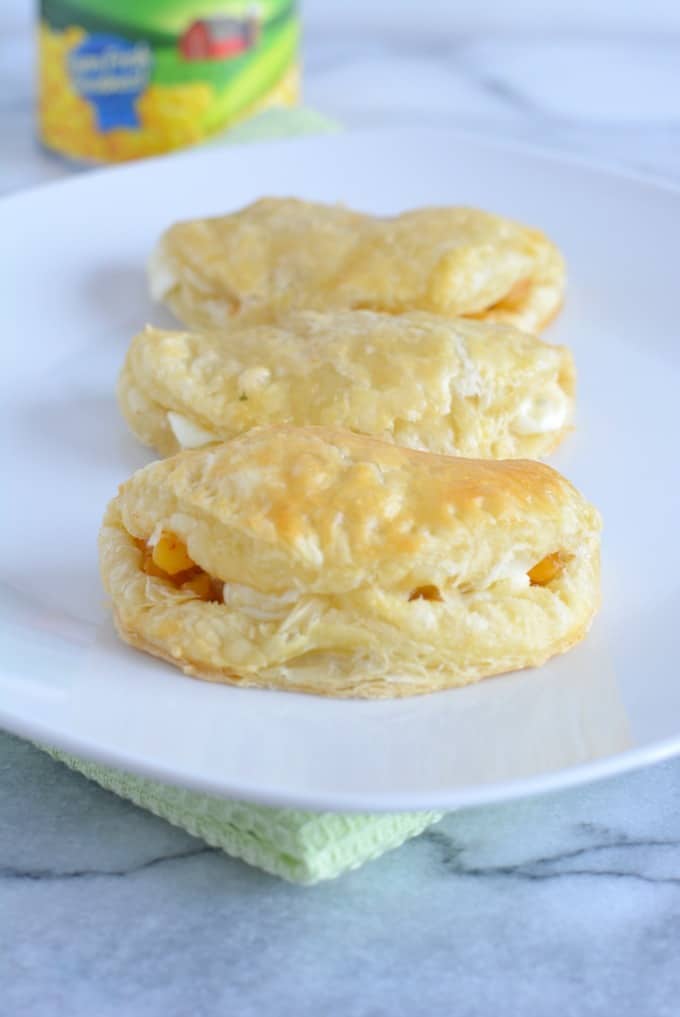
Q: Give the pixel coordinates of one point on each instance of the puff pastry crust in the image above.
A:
(451, 386)
(352, 567)
(283, 253)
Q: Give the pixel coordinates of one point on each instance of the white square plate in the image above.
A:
(73, 295)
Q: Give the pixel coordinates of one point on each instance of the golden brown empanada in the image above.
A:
(334, 563)
(452, 386)
(282, 253)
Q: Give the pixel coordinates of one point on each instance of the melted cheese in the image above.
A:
(261, 606)
(162, 279)
(545, 412)
(188, 434)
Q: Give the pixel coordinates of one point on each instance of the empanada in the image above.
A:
(282, 253)
(329, 562)
(451, 386)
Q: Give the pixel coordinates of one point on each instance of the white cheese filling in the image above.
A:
(515, 572)
(261, 606)
(541, 413)
(188, 434)
(162, 278)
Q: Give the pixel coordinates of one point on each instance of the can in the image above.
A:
(123, 79)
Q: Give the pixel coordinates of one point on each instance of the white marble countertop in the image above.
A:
(568, 904)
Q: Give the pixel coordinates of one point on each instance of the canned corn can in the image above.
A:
(122, 79)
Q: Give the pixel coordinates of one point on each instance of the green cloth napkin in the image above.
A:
(277, 123)
(302, 847)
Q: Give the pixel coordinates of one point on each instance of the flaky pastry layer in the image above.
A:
(457, 387)
(282, 253)
(351, 567)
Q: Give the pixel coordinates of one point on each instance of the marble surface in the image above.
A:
(568, 903)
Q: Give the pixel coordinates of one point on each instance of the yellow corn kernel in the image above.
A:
(170, 554)
(202, 586)
(151, 569)
(548, 568)
(428, 592)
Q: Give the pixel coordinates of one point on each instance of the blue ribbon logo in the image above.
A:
(111, 73)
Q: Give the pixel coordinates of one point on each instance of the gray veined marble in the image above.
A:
(567, 904)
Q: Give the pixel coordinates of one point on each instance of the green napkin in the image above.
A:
(303, 847)
(277, 123)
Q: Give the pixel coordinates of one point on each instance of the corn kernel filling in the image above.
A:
(428, 592)
(169, 559)
(170, 554)
(548, 568)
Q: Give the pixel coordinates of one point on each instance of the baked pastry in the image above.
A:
(451, 386)
(282, 253)
(333, 563)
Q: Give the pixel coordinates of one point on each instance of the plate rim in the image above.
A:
(493, 793)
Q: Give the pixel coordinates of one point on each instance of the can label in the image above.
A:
(121, 79)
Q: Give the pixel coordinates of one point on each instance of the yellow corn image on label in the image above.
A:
(121, 79)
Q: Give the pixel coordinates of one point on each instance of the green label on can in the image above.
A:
(122, 79)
